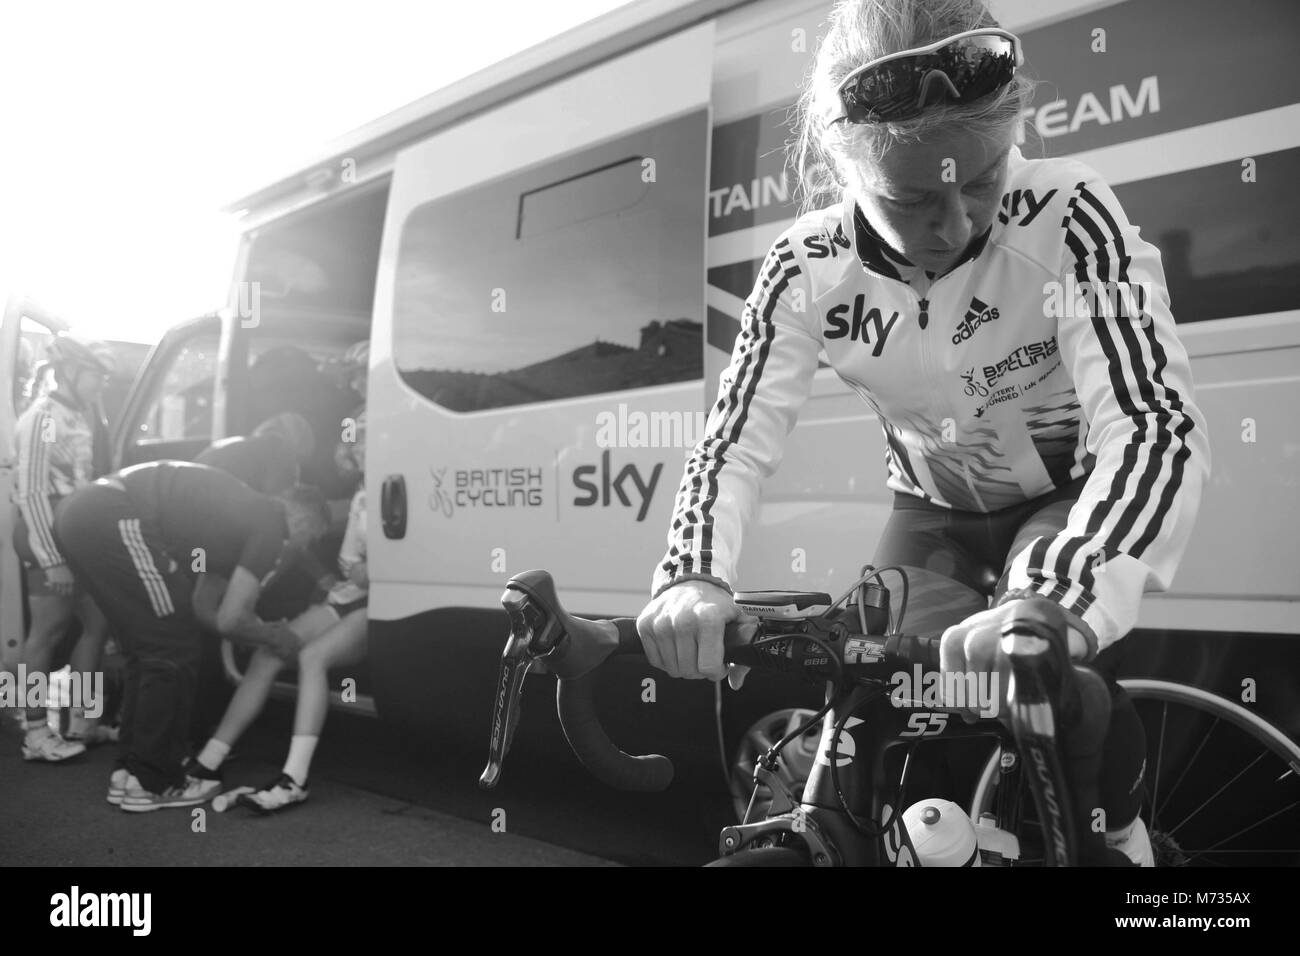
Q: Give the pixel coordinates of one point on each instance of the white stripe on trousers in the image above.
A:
(142, 558)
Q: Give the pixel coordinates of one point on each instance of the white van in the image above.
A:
(549, 259)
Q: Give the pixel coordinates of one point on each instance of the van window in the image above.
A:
(322, 259)
(575, 277)
(181, 408)
(1226, 252)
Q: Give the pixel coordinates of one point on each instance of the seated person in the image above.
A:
(333, 633)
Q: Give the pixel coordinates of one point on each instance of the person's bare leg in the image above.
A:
(342, 644)
(345, 643)
(86, 660)
(50, 615)
(255, 687)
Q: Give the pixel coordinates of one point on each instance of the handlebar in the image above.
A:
(574, 647)
(1059, 712)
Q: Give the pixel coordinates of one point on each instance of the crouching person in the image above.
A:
(333, 634)
(135, 541)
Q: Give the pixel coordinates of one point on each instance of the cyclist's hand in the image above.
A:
(972, 647)
(60, 580)
(682, 629)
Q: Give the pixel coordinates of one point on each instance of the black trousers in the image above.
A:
(969, 554)
(118, 556)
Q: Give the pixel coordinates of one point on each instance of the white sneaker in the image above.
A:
(44, 744)
(1134, 842)
(281, 792)
(190, 794)
(117, 786)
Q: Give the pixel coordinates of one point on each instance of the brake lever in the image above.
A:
(539, 629)
(518, 656)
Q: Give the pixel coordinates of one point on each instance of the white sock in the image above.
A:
(214, 752)
(301, 748)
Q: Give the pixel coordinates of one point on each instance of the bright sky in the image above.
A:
(125, 127)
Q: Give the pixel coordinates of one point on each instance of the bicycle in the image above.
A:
(854, 816)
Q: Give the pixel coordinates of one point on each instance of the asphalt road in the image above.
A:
(374, 800)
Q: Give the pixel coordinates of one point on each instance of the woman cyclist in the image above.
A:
(61, 445)
(1011, 331)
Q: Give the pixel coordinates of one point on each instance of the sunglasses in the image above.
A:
(964, 68)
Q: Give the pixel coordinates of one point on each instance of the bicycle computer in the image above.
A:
(788, 605)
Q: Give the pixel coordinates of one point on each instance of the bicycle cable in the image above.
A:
(839, 792)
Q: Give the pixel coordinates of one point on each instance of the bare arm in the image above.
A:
(236, 618)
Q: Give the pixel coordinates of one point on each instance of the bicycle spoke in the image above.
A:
(1216, 793)
(1209, 849)
(1182, 776)
(1160, 753)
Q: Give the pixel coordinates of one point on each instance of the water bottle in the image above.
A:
(941, 834)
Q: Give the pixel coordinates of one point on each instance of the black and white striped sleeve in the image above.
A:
(1130, 527)
(759, 397)
(34, 437)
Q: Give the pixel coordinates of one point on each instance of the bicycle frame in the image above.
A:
(874, 728)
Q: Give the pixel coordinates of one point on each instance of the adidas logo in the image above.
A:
(977, 313)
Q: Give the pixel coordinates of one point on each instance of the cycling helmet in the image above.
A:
(67, 353)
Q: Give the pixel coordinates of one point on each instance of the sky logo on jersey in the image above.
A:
(1022, 200)
(821, 246)
(977, 313)
(868, 326)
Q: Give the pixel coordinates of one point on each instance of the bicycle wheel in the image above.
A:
(1222, 784)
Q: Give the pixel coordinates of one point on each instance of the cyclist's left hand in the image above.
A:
(972, 647)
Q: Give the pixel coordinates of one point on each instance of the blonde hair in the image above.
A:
(860, 31)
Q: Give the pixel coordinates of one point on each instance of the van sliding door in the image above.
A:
(536, 380)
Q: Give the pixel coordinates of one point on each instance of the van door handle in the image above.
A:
(392, 506)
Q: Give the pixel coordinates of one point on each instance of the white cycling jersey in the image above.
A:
(994, 383)
(54, 442)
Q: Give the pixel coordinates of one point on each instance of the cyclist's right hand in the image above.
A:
(682, 630)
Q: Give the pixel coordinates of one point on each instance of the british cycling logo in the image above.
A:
(977, 314)
(1026, 356)
(868, 325)
(485, 488)
(32, 690)
(973, 387)
(75, 908)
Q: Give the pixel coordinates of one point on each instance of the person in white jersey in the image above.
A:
(1010, 329)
